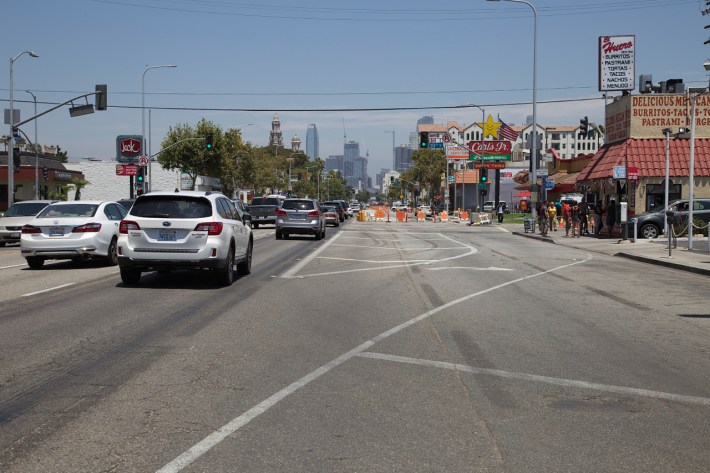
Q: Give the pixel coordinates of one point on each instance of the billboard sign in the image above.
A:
(617, 63)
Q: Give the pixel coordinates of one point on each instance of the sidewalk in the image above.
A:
(655, 251)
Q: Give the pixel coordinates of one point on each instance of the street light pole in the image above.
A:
(533, 150)
(11, 151)
(36, 152)
(150, 176)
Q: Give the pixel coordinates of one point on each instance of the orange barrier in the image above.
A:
(420, 216)
(401, 215)
(463, 215)
(380, 214)
(444, 216)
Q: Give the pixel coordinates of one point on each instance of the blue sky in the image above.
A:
(280, 56)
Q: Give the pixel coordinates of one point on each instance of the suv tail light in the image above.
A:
(314, 214)
(87, 228)
(280, 213)
(126, 225)
(28, 229)
(212, 228)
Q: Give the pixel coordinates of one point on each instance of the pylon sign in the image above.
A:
(129, 148)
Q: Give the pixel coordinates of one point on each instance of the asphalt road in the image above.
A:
(384, 347)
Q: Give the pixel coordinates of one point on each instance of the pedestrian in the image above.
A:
(543, 218)
(567, 217)
(499, 211)
(552, 215)
(610, 217)
(598, 219)
(558, 209)
(576, 220)
(583, 217)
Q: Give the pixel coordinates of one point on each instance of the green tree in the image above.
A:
(77, 184)
(184, 150)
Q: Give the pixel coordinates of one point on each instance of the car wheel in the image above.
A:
(254, 225)
(319, 234)
(226, 275)
(323, 234)
(244, 267)
(35, 262)
(2, 243)
(130, 276)
(279, 235)
(650, 231)
(285, 235)
(337, 224)
(112, 258)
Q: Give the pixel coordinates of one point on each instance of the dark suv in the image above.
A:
(338, 207)
(300, 216)
(651, 224)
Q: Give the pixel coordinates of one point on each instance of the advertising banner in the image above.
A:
(493, 151)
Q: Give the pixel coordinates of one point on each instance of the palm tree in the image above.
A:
(78, 183)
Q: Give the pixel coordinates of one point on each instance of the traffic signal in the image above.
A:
(15, 160)
(423, 139)
(45, 173)
(140, 175)
(208, 141)
(584, 126)
(484, 175)
(101, 96)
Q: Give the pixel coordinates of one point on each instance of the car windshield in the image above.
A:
(298, 205)
(68, 210)
(25, 209)
(171, 207)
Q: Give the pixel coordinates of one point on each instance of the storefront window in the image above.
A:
(655, 195)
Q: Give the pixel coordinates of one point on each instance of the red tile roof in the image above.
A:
(649, 156)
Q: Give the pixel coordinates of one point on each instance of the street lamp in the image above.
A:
(36, 152)
(150, 176)
(533, 147)
(11, 151)
(296, 148)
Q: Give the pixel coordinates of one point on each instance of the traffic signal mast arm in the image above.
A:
(53, 108)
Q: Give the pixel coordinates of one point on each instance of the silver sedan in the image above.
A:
(72, 230)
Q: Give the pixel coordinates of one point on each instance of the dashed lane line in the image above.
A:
(47, 290)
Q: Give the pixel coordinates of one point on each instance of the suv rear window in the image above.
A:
(171, 207)
(265, 201)
(298, 205)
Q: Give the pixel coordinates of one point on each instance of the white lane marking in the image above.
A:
(296, 268)
(570, 383)
(206, 444)
(490, 268)
(14, 266)
(503, 229)
(413, 248)
(47, 290)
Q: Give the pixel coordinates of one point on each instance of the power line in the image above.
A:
(326, 110)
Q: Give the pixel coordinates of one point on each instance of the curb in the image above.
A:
(667, 264)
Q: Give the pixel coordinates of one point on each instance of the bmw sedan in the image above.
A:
(72, 230)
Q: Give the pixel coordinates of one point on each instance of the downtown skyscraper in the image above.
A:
(312, 145)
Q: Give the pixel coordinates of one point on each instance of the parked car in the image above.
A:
(331, 215)
(338, 207)
(72, 230)
(651, 224)
(242, 210)
(184, 230)
(19, 214)
(300, 216)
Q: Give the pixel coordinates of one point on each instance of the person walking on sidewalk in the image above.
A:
(576, 219)
(552, 213)
(500, 211)
(598, 219)
(583, 219)
(610, 217)
(543, 218)
(567, 217)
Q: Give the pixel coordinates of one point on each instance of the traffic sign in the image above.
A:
(126, 169)
(489, 165)
(142, 160)
(541, 172)
(451, 178)
(549, 184)
(436, 145)
(446, 138)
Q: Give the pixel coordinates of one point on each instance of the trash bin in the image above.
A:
(529, 225)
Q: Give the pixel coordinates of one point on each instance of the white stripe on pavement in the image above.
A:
(47, 290)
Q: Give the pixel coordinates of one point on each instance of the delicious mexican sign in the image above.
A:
(493, 150)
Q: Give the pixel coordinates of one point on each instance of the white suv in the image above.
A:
(184, 230)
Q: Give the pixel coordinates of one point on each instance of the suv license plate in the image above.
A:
(167, 235)
(297, 216)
